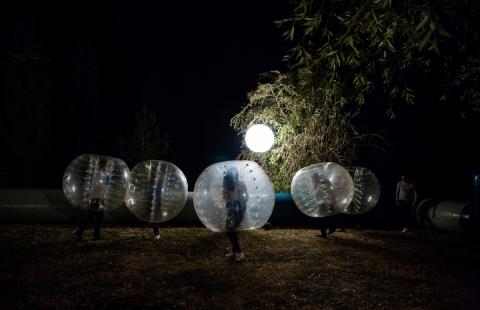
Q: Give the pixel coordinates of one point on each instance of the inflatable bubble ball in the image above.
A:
(367, 190)
(322, 189)
(233, 196)
(96, 182)
(157, 191)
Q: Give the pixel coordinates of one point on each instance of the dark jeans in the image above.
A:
(232, 236)
(94, 218)
(405, 207)
(156, 229)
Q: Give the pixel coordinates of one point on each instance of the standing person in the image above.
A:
(406, 198)
(322, 188)
(235, 195)
(101, 182)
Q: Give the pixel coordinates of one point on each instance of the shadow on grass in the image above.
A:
(284, 268)
(459, 257)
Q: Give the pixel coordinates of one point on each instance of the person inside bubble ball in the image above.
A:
(101, 182)
(157, 198)
(322, 188)
(236, 196)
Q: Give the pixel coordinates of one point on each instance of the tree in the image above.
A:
(362, 51)
(307, 130)
(146, 141)
(353, 65)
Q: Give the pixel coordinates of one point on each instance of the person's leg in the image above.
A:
(81, 229)
(332, 223)
(405, 209)
(87, 220)
(341, 222)
(232, 236)
(236, 253)
(156, 231)
(323, 228)
(97, 224)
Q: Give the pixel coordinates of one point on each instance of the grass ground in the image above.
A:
(41, 267)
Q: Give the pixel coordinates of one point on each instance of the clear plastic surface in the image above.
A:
(322, 189)
(157, 191)
(367, 190)
(96, 182)
(233, 196)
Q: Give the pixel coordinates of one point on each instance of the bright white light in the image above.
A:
(259, 138)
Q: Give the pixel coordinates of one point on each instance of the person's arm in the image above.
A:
(415, 195)
(397, 194)
(241, 194)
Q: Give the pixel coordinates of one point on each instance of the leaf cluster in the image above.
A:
(356, 63)
(307, 130)
(362, 49)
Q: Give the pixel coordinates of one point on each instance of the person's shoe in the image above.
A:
(404, 230)
(228, 254)
(239, 256)
(157, 237)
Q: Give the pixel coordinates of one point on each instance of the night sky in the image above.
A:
(94, 64)
(191, 62)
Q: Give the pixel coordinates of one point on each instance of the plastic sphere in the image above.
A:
(367, 190)
(96, 182)
(233, 196)
(157, 191)
(259, 138)
(322, 189)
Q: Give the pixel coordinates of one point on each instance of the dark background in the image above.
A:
(74, 75)
(192, 63)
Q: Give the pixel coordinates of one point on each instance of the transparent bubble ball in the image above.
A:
(322, 189)
(96, 182)
(157, 191)
(233, 196)
(367, 190)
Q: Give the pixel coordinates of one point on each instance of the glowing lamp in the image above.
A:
(259, 138)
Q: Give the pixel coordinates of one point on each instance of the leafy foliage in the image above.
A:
(468, 82)
(370, 50)
(355, 63)
(308, 130)
(360, 49)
